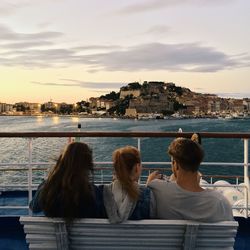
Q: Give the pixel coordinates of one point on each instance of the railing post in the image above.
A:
(139, 148)
(246, 176)
(139, 144)
(30, 173)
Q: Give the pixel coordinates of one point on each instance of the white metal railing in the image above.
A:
(29, 167)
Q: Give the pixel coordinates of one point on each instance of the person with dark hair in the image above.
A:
(124, 198)
(185, 198)
(68, 191)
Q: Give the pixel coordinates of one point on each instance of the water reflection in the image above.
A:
(39, 119)
(75, 119)
(55, 119)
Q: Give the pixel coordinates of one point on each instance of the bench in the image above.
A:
(47, 233)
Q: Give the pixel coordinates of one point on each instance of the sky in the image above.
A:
(71, 50)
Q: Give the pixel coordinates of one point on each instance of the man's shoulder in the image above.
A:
(221, 204)
(214, 193)
(217, 197)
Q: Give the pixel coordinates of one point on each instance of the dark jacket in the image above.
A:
(142, 208)
(94, 210)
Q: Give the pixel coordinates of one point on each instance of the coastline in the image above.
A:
(144, 118)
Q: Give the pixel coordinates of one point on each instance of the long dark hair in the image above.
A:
(68, 183)
(124, 160)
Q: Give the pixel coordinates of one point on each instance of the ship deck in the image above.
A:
(14, 199)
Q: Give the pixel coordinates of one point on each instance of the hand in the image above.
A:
(154, 175)
(172, 178)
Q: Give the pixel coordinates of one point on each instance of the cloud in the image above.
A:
(153, 5)
(158, 30)
(39, 50)
(97, 47)
(95, 85)
(54, 84)
(39, 58)
(82, 84)
(9, 7)
(23, 45)
(169, 57)
(146, 6)
(6, 34)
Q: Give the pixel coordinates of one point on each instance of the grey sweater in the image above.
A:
(117, 203)
(173, 202)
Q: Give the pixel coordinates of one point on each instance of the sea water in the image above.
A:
(15, 150)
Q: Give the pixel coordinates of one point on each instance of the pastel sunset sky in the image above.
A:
(70, 50)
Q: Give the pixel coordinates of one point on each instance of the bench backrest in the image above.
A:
(46, 233)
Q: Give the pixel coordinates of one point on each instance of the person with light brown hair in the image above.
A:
(184, 198)
(68, 191)
(124, 198)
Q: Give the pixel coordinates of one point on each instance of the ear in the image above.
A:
(137, 171)
(138, 168)
(175, 168)
(175, 165)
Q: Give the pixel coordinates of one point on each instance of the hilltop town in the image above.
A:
(147, 100)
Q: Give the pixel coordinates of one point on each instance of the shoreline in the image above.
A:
(125, 117)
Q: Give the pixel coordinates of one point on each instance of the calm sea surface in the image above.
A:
(15, 150)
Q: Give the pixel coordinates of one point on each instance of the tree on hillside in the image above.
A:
(132, 86)
(66, 109)
(82, 106)
(178, 106)
(46, 109)
(176, 89)
(121, 106)
(21, 107)
(111, 96)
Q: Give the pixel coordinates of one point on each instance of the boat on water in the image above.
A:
(15, 197)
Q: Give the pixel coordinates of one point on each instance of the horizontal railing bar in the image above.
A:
(239, 208)
(223, 185)
(124, 134)
(26, 207)
(14, 207)
(143, 176)
(143, 163)
(15, 185)
(223, 176)
(27, 163)
(223, 164)
(21, 169)
(98, 169)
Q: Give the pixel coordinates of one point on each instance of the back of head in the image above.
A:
(125, 160)
(68, 182)
(76, 159)
(187, 153)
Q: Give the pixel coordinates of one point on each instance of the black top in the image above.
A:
(94, 209)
